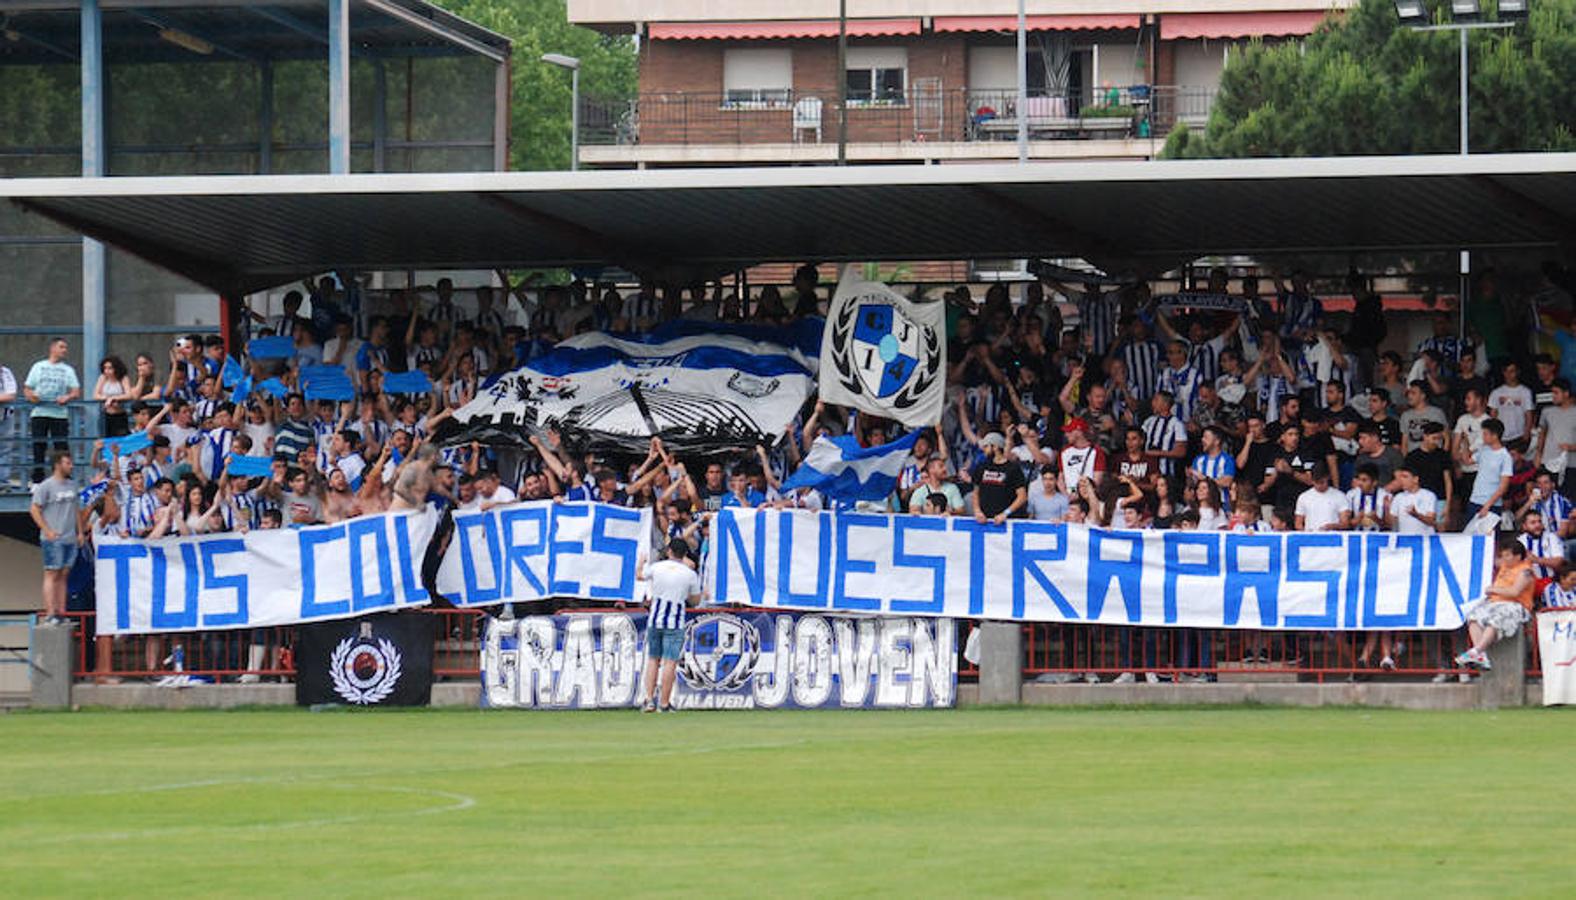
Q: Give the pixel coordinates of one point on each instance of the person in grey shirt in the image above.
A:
(1557, 433)
(1417, 413)
(56, 503)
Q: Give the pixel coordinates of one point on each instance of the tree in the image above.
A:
(539, 114)
(1363, 83)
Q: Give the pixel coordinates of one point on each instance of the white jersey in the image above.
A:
(1372, 504)
(1402, 504)
(1320, 508)
(672, 584)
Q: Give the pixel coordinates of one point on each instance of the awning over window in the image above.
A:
(1034, 23)
(698, 31)
(1239, 25)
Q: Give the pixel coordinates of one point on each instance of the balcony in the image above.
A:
(919, 125)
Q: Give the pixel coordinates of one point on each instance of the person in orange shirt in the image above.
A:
(1505, 607)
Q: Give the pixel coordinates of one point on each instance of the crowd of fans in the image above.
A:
(1260, 413)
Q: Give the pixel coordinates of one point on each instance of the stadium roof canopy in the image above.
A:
(39, 32)
(242, 234)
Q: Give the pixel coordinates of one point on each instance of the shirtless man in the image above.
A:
(416, 479)
(374, 494)
(339, 503)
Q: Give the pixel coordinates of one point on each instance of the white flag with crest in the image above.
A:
(884, 354)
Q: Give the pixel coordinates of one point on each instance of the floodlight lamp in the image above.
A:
(558, 59)
(1464, 10)
(1512, 9)
(1411, 12)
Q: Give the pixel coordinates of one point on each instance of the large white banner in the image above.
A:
(1037, 571)
(261, 578)
(1557, 650)
(695, 391)
(539, 549)
(883, 354)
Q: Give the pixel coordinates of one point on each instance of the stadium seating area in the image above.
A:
(1224, 409)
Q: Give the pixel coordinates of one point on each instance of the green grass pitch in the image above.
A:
(1237, 802)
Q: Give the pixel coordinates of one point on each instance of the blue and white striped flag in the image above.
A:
(843, 470)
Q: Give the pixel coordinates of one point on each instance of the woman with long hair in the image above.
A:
(113, 389)
(1206, 499)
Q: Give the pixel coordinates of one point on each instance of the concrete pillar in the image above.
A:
(1506, 683)
(95, 156)
(51, 684)
(1001, 662)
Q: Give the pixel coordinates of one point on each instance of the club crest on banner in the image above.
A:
(883, 354)
(365, 670)
(720, 652)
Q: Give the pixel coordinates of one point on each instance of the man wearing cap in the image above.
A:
(1000, 490)
(1080, 459)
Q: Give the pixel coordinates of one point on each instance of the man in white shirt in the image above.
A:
(674, 587)
(1466, 439)
(1414, 509)
(1320, 507)
(1512, 404)
(490, 492)
(1080, 459)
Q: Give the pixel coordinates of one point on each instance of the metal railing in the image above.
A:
(1063, 652)
(918, 115)
(1052, 652)
(226, 656)
(21, 461)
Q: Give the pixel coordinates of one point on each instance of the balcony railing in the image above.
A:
(916, 116)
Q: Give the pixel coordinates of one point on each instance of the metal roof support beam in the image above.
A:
(339, 87)
(94, 159)
(501, 112)
(291, 22)
(395, 11)
(51, 46)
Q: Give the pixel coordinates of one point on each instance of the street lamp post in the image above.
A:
(1464, 14)
(573, 65)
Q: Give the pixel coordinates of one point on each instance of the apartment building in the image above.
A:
(730, 82)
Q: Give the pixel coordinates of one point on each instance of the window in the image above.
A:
(877, 75)
(757, 77)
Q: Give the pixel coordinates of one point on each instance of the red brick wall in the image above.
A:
(695, 67)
